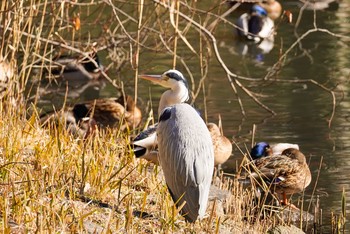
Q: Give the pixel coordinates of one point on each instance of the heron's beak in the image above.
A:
(154, 78)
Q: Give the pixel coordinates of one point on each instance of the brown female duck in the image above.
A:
(273, 8)
(78, 128)
(110, 112)
(285, 174)
(6, 73)
(85, 117)
(222, 145)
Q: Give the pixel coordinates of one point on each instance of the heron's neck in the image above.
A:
(178, 94)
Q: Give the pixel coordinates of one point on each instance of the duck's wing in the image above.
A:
(275, 168)
(106, 112)
(145, 144)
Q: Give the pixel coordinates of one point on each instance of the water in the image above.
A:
(303, 110)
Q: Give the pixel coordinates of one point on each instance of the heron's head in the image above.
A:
(261, 149)
(169, 79)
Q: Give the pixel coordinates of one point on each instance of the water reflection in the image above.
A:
(254, 50)
(54, 94)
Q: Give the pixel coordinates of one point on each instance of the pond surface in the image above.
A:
(303, 110)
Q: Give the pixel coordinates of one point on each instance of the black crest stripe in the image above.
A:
(165, 114)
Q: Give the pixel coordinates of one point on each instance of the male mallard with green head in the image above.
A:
(263, 149)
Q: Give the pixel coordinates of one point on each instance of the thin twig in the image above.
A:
(231, 75)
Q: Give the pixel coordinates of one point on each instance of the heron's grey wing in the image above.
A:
(187, 158)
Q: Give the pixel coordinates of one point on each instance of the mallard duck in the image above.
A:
(285, 174)
(109, 112)
(6, 73)
(263, 149)
(273, 8)
(79, 128)
(222, 145)
(256, 25)
(106, 112)
(145, 144)
(76, 68)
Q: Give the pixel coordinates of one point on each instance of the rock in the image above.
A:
(218, 197)
(91, 227)
(281, 229)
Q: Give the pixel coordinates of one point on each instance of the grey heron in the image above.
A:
(185, 147)
(145, 145)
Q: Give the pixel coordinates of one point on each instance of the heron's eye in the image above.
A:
(165, 78)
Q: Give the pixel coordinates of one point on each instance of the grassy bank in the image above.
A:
(53, 182)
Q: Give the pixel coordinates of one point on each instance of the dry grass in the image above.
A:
(54, 182)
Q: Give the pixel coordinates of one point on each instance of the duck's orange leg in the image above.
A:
(286, 203)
